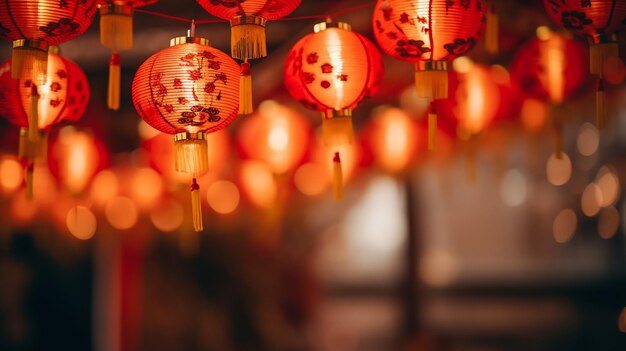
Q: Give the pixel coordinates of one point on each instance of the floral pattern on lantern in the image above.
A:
(590, 17)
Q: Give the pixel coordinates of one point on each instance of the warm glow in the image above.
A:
(77, 158)
(438, 268)
(513, 188)
(614, 70)
(559, 171)
(44, 187)
(311, 179)
(81, 222)
(394, 139)
(591, 199)
(145, 131)
(104, 186)
(534, 114)
(11, 174)
(564, 226)
(608, 222)
(167, 216)
(608, 183)
(349, 159)
(543, 33)
(257, 182)
(462, 64)
(223, 196)
(477, 99)
(146, 187)
(588, 139)
(121, 212)
(22, 210)
(500, 75)
(553, 62)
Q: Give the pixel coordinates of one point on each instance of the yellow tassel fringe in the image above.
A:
(196, 206)
(431, 84)
(30, 171)
(115, 72)
(598, 55)
(492, 29)
(191, 155)
(337, 131)
(600, 105)
(29, 63)
(337, 178)
(116, 31)
(248, 38)
(33, 114)
(245, 90)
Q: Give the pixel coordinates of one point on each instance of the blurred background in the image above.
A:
(490, 243)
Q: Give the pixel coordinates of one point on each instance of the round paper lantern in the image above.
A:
(34, 25)
(599, 21)
(247, 20)
(188, 90)
(331, 71)
(35, 108)
(116, 33)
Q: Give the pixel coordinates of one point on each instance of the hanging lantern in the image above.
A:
(276, 135)
(549, 69)
(331, 71)
(247, 40)
(189, 90)
(35, 108)
(116, 33)
(429, 33)
(599, 21)
(34, 25)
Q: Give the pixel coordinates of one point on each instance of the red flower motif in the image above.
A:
(221, 77)
(182, 101)
(214, 65)
(327, 68)
(209, 87)
(312, 58)
(387, 11)
(56, 102)
(55, 86)
(178, 83)
(343, 77)
(307, 77)
(169, 108)
(208, 55)
(61, 74)
(404, 17)
(325, 84)
(195, 74)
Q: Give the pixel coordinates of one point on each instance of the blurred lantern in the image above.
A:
(34, 25)
(276, 135)
(429, 33)
(392, 135)
(549, 68)
(77, 157)
(189, 90)
(492, 27)
(247, 23)
(64, 96)
(116, 33)
(332, 70)
(599, 21)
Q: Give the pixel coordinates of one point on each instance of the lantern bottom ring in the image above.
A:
(113, 9)
(602, 38)
(189, 40)
(325, 25)
(184, 136)
(247, 19)
(30, 44)
(346, 112)
(431, 66)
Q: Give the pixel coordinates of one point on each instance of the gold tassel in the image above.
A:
(30, 60)
(245, 90)
(115, 72)
(247, 37)
(337, 131)
(598, 53)
(33, 114)
(30, 171)
(432, 130)
(191, 153)
(196, 206)
(337, 178)
(492, 30)
(116, 27)
(431, 80)
(600, 105)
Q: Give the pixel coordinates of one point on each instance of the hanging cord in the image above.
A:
(297, 18)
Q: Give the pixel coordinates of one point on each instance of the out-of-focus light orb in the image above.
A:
(258, 183)
(513, 188)
(145, 131)
(223, 196)
(121, 212)
(608, 182)
(608, 222)
(44, 187)
(543, 32)
(500, 75)
(104, 186)
(559, 171)
(590, 200)
(621, 324)
(77, 156)
(311, 179)
(146, 187)
(81, 222)
(564, 226)
(534, 114)
(438, 268)
(168, 215)
(393, 138)
(462, 64)
(22, 210)
(588, 139)
(11, 174)
(614, 70)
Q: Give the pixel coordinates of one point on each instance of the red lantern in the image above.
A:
(189, 90)
(599, 21)
(429, 33)
(34, 25)
(116, 33)
(332, 70)
(64, 96)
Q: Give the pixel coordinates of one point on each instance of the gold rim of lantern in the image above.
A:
(189, 40)
(112, 9)
(54, 49)
(32, 150)
(602, 38)
(431, 66)
(33, 44)
(185, 136)
(328, 24)
(248, 19)
(345, 112)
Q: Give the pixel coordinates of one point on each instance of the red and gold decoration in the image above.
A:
(116, 33)
(331, 71)
(247, 21)
(34, 25)
(598, 21)
(188, 90)
(36, 108)
(429, 33)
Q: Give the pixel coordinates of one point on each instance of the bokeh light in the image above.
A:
(609, 186)
(513, 188)
(81, 222)
(564, 226)
(146, 187)
(11, 174)
(534, 114)
(104, 186)
(559, 171)
(311, 179)
(223, 196)
(121, 212)
(168, 215)
(588, 139)
(590, 200)
(257, 182)
(438, 268)
(608, 222)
